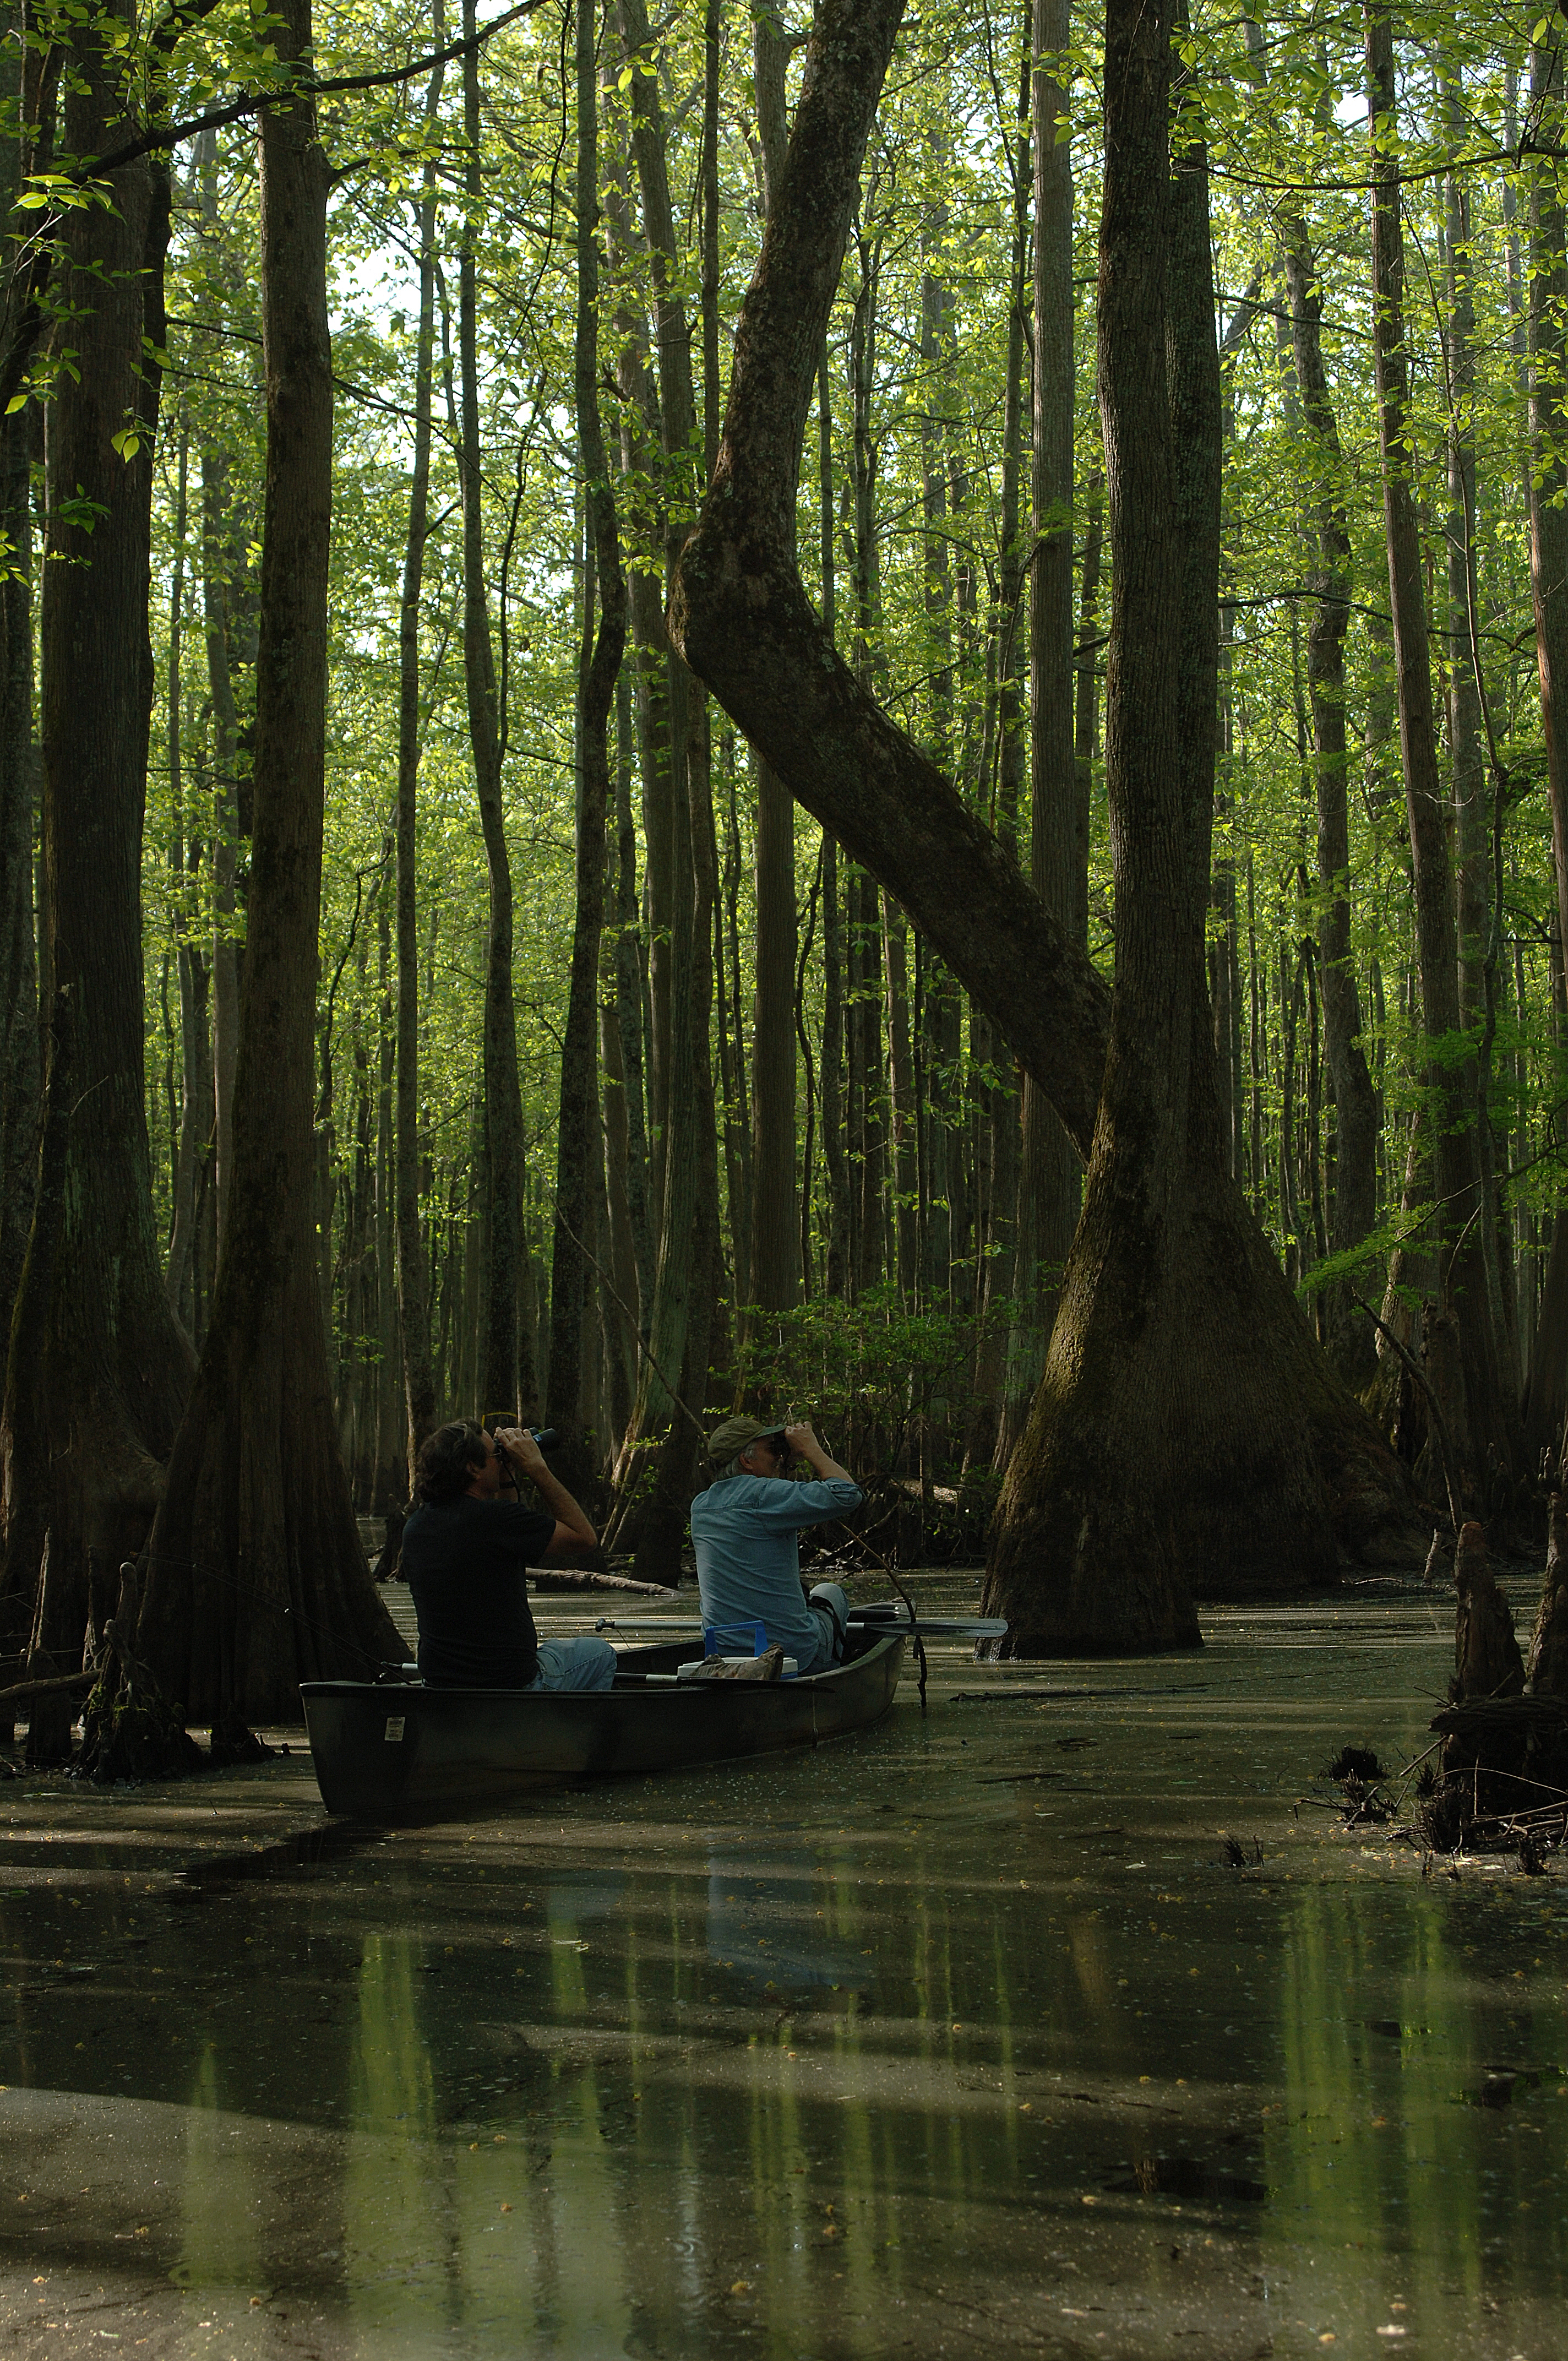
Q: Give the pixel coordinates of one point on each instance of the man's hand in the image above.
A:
(802, 1440)
(523, 1451)
(573, 1530)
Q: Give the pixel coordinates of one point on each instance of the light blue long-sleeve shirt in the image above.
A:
(745, 1532)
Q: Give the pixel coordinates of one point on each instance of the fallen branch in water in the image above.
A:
(546, 1579)
(56, 1686)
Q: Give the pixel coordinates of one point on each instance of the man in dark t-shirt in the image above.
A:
(465, 1555)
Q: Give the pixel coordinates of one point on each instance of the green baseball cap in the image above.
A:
(727, 1442)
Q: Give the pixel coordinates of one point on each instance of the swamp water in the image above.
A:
(960, 2036)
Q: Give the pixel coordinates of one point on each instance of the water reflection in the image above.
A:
(655, 2071)
(766, 1923)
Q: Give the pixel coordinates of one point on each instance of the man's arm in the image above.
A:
(801, 1439)
(573, 1530)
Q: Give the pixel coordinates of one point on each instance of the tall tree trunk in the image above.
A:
(195, 1120)
(1547, 477)
(412, 1266)
(507, 1378)
(580, 1155)
(93, 1394)
(837, 1255)
(1262, 1437)
(1484, 1433)
(991, 1440)
(900, 1096)
(1058, 856)
(257, 1577)
(628, 1012)
(1348, 1334)
(775, 1278)
(1081, 1557)
(21, 89)
(686, 1278)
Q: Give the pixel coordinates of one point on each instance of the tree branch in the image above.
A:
(29, 324)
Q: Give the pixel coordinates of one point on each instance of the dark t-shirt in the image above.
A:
(464, 1561)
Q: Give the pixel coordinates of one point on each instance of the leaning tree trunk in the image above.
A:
(257, 1579)
(741, 612)
(99, 1367)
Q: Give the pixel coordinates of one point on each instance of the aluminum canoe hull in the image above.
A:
(385, 1751)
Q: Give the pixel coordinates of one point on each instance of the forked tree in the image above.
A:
(1189, 1426)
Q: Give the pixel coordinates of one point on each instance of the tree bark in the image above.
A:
(1348, 1336)
(740, 613)
(1486, 1433)
(686, 1271)
(775, 1278)
(412, 1266)
(507, 1378)
(21, 92)
(194, 1130)
(95, 1395)
(1058, 840)
(257, 1577)
(1548, 471)
(579, 1152)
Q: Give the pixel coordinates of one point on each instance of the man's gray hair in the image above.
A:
(734, 1468)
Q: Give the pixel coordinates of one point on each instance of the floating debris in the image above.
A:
(1185, 2177)
(1356, 1763)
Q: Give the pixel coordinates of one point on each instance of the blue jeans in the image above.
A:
(585, 1663)
(828, 1607)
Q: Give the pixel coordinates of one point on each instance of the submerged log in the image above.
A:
(1487, 1660)
(58, 1685)
(1548, 1640)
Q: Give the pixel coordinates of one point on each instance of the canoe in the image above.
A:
(382, 1752)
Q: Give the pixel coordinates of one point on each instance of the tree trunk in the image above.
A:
(257, 1577)
(1286, 1424)
(991, 1438)
(1548, 458)
(1486, 1433)
(686, 1271)
(505, 1383)
(1058, 855)
(412, 1266)
(1082, 1557)
(94, 1394)
(580, 1153)
(1348, 1334)
(775, 1278)
(22, 150)
(628, 1013)
(194, 1129)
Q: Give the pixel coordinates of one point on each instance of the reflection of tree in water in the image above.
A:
(764, 1922)
(1393, 2017)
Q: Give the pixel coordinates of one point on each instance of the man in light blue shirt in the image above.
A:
(746, 1530)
